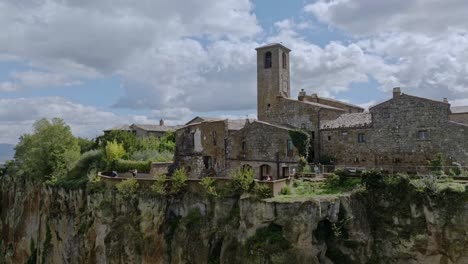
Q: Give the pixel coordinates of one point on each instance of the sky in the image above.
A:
(102, 63)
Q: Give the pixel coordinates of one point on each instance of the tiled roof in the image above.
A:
(315, 104)
(203, 118)
(340, 102)
(348, 121)
(459, 109)
(156, 128)
(236, 124)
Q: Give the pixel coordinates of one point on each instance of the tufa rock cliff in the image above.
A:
(40, 224)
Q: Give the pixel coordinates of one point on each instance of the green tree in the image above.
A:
(49, 152)
(114, 151)
(179, 181)
(85, 144)
(129, 140)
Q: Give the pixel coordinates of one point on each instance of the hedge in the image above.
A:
(123, 166)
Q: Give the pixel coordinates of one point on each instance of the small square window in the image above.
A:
(423, 135)
(329, 137)
(361, 138)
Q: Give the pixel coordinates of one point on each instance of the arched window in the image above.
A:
(268, 60)
(285, 62)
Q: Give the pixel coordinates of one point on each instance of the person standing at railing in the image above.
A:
(134, 173)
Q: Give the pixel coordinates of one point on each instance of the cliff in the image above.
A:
(40, 224)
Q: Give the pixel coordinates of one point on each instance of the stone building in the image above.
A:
(403, 131)
(459, 114)
(146, 130)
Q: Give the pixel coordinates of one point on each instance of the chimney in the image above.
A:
(161, 122)
(445, 100)
(301, 95)
(396, 92)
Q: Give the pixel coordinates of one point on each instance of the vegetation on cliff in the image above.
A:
(53, 155)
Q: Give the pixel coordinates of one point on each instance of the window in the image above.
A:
(312, 136)
(289, 148)
(329, 138)
(207, 162)
(285, 63)
(268, 60)
(214, 135)
(361, 138)
(244, 146)
(423, 135)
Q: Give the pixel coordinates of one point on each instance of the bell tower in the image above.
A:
(272, 78)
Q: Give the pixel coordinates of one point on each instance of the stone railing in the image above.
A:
(147, 180)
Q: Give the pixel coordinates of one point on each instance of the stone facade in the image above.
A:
(201, 148)
(266, 148)
(459, 114)
(404, 131)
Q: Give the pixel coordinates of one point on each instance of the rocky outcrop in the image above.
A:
(40, 224)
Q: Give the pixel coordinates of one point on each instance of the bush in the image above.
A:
(333, 181)
(114, 151)
(153, 155)
(286, 190)
(78, 176)
(302, 164)
(127, 187)
(372, 180)
(179, 180)
(209, 186)
(262, 191)
(242, 180)
(300, 140)
(436, 164)
(128, 165)
(327, 159)
(159, 186)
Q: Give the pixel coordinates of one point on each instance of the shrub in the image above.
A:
(78, 176)
(327, 159)
(179, 180)
(300, 140)
(286, 190)
(302, 164)
(114, 151)
(159, 186)
(128, 165)
(372, 180)
(436, 164)
(94, 184)
(127, 187)
(262, 191)
(209, 186)
(333, 181)
(242, 180)
(153, 155)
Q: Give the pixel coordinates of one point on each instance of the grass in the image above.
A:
(304, 190)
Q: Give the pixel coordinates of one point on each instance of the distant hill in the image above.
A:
(6, 152)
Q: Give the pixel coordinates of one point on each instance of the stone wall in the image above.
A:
(200, 148)
(459, 118)
(260, 143)
(394, 138)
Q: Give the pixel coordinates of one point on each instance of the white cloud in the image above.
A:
(370, 17)
(35, 79)
(18, 115)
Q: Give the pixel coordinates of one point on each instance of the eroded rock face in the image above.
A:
(45, 225)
